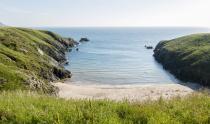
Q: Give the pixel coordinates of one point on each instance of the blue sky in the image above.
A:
(93, 13)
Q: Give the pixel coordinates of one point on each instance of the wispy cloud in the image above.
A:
(13, 10)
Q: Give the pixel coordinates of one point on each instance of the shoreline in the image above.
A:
(124, 92)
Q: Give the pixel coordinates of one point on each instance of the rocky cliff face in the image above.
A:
(31, 59)
(188, 58)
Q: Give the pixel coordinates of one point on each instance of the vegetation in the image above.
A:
(28, 107)
(30, 59)
(187, 57)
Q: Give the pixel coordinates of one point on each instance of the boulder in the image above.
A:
(84, 40)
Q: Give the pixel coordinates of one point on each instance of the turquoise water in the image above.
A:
(118, 56)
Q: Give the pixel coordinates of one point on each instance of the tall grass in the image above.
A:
(28, 107)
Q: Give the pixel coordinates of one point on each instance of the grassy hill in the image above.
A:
(32, 108)
(186, 57)
(30, 59)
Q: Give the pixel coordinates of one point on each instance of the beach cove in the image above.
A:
(125, 92)
(28, 91)
(117, 66)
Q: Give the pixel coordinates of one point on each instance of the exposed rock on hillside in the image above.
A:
(30, 59)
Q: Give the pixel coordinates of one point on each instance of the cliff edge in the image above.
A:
(188, 57)
(31, 59)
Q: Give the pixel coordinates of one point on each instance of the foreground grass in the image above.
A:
(27, 107)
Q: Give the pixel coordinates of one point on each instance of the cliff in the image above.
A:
(188, 57)
(31, 59)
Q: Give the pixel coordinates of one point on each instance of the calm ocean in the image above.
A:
(118, 56)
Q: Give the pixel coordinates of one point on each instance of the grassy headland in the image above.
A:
(186, 57)
(30, 59)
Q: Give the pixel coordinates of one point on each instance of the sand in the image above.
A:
(124, 92)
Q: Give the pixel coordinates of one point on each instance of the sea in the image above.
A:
(117, 55)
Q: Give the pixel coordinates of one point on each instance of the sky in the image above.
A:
(105, 13)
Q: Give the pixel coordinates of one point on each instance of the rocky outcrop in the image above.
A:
(84, 40)
(188, 58)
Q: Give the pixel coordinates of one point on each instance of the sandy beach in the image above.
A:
(124, 92)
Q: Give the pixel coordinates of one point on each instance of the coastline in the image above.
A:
(186, 57)
(125, 92)
(31, 59)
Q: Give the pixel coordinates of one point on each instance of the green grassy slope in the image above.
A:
(27, 107)
(187, 57)
(29, 59)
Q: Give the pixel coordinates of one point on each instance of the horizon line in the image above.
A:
(116, 27)
(207, 27)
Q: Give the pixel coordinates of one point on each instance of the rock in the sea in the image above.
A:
(66, 63)
(188, 58)
(84, 40)
(148, 47)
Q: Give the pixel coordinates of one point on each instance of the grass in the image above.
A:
(193, 45)
(187, 57)
(22, 66)
(30, 107)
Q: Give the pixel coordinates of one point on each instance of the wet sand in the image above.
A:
(124, 92)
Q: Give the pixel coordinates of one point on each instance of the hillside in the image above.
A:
(188, 57)
(30, 59)
(32, 108)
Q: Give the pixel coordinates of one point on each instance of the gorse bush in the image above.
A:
(29, 107)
